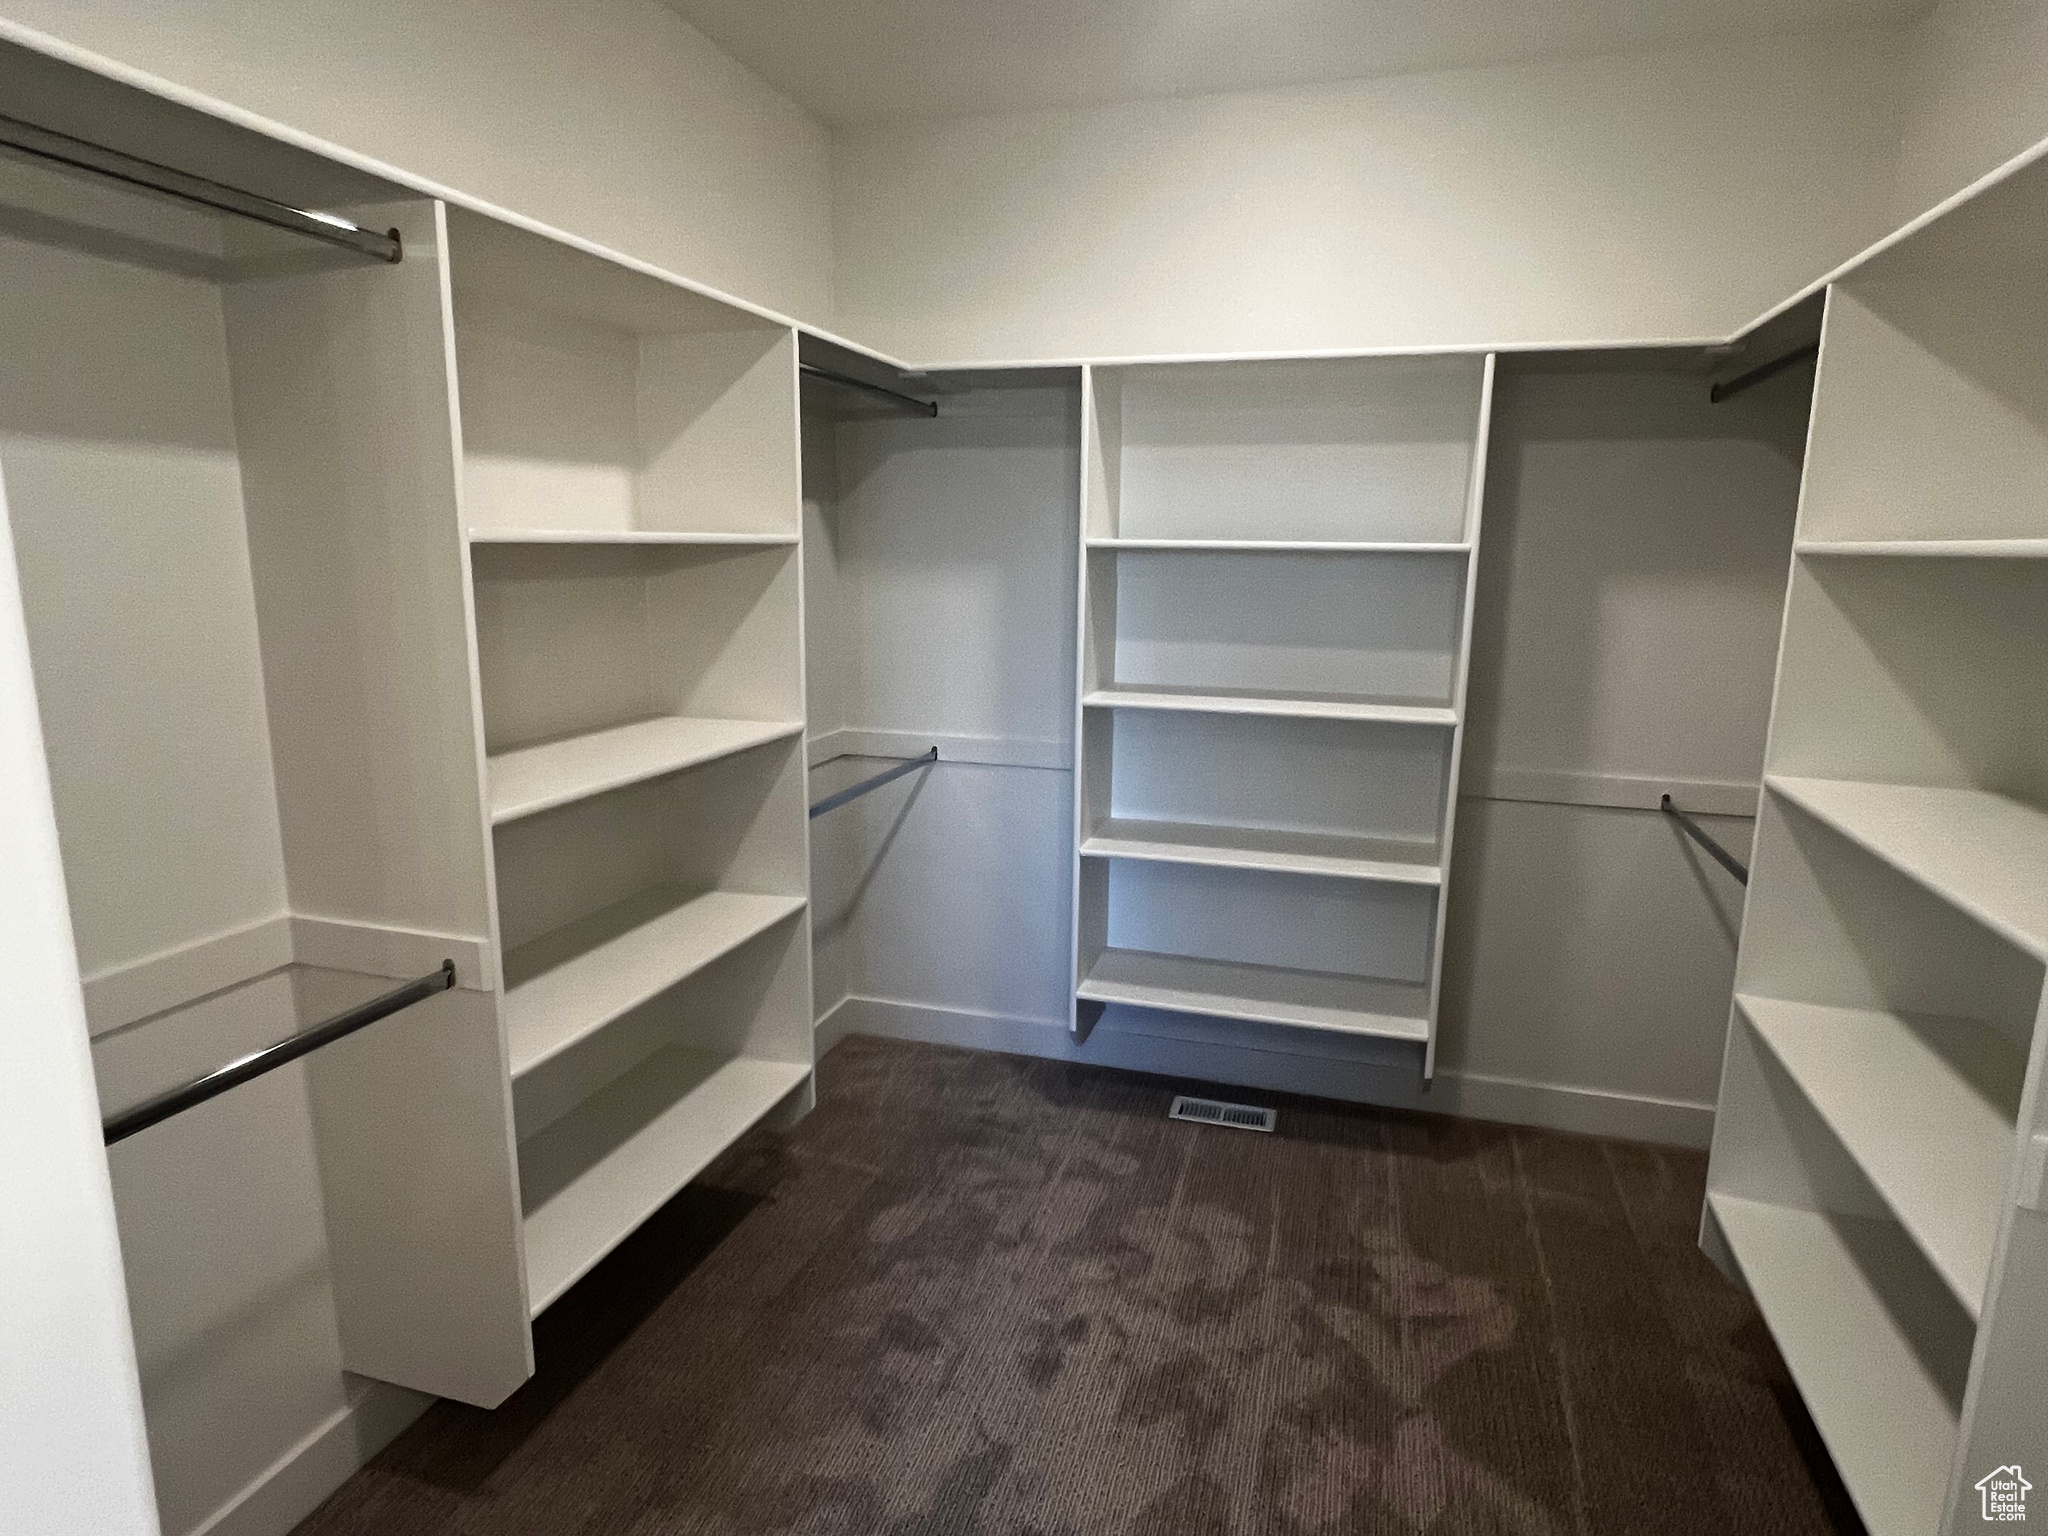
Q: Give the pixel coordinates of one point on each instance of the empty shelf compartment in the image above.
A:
(1888, 1416)
(528, 780)
(592, 1176)
(1263, 994)
(562, 986)
(1985, 854)
(1925, 1106)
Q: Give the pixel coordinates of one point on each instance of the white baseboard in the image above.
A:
(297, 1483)
(121, 995)
(1307, 1066)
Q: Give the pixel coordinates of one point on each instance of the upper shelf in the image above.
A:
(1985, 854)
(1265, 848)
(528, 780)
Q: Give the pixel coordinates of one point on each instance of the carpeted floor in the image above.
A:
(978, 1293)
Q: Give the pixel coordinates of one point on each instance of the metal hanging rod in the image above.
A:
(922, 407)
(176, 1101)
(83, 155)
(833, 802)
(1762, 371)
(1698, 834)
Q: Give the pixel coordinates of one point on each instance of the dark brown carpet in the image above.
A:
(979, 1293)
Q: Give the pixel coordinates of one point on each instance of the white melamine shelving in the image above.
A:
(564, 985)
(1274, 629)
(1260, 994)
(1928, 549)
(630, 473)
(1889, 1423)
(1273, 849)
(529, 780)
(1287, 546)
(625, 536)
(1984, 853)
(1880, 1093)
(1924, 1105)
(595, 1174)
(1295, 706)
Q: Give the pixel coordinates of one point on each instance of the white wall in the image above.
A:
(1671, 194)
(1979, 72)
(613, 119)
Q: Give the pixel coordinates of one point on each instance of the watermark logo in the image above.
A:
(2005, 1494)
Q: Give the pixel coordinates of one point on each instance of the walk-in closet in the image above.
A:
(780, 768)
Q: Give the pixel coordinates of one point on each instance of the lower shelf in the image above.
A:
(1260, 994)
(1888, 1419)
(590, 1178)
(1925, 1106)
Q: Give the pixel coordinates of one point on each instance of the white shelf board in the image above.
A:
(1931, 549)
(1264, 994)
(1924, 1124)
(562, 987)
(1885, 1419)
(1290, 546)
(539, 778)
(594, 1175)
(1302, 853)
(1983, 853)
(1299, 706)
(628, 536)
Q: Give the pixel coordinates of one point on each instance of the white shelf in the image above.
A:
(1291, 546)
(1931, 549)
(1354, 1005)
(539, 778)
(594, 1175)
(1304, 853)
(1923, 1123)
(1299, 706)
(1888, 1423)
(1983, 853)
(622, 536)
(564, 986)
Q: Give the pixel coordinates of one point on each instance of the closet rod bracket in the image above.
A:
(1698, 834)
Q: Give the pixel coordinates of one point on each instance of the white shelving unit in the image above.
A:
(1275, 622)
(1880, 1165)
(631, 494)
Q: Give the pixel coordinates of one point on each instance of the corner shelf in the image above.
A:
(564, 986)
(1260, 994)
(1915, 1104)
(585, 1188)
(1888, 1422)
(528, 780)
(1984, 854)
(1354, 858)
(1299, 706)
